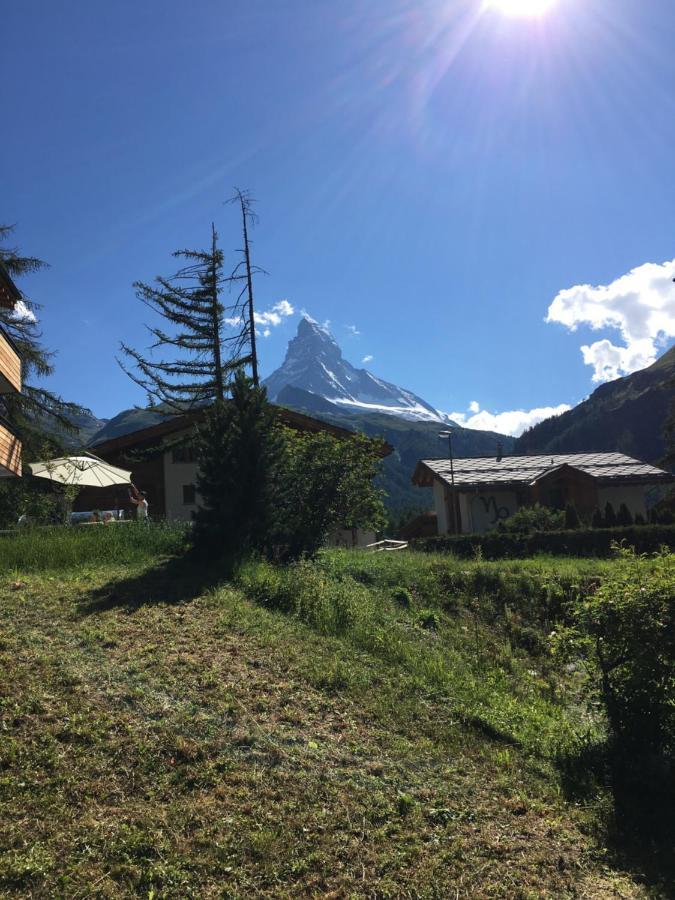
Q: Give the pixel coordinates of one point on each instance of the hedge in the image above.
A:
(580, 542)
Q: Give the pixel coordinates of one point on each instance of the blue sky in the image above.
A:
(431, 174)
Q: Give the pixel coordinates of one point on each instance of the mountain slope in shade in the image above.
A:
(627, 415)
(125, 422)
(314, 363)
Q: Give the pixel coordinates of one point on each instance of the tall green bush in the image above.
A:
(326, 484)
(626, 629)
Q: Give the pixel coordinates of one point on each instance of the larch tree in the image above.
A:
(193, 354)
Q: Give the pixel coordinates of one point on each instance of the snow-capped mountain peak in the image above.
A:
(314, 363)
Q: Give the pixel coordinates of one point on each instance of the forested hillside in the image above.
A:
(627, 415)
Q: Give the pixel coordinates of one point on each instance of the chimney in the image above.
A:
(500, 451)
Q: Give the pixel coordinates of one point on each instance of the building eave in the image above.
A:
(154, 434)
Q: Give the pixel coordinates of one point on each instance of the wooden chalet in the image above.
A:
(163, 464)
(472, 495)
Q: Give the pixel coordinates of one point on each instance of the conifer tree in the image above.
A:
(597, 520)
(624, 516)
(36, 413)
(610, 516)
(240, 452)
(197, 359)
(571, 517)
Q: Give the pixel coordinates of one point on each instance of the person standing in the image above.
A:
(140, 501)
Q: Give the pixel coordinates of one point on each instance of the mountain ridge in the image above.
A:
(314, 363)
(627, 414)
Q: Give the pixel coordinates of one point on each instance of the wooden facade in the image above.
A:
(10, 366)
(10, 451)
(563, 486)
(10, 380)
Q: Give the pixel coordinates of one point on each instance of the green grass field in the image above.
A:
(363, 725)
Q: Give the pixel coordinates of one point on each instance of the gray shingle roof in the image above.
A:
(521, 470)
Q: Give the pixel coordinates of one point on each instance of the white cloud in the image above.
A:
(367, 359)
(273, 316)
(640, 305)
(513, 422)
(21, 313)
(353, 330)
(268, 318)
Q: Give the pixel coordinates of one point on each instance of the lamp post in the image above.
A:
(448, 435)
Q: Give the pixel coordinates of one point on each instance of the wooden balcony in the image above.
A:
(10, 366)
(10, 451)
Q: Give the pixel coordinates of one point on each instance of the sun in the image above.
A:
(529, 8)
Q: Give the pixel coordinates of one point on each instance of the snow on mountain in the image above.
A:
(314, 362)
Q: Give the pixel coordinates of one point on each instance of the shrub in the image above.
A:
(627, 629)
(402, 597)
(610, 520)
(325, 484)
(624, 517)
(581, 542)
(571, 517)
(533, 518)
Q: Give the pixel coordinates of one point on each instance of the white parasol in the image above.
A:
(82, 471)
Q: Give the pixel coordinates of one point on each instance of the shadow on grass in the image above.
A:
(637, 823)
(173, 581)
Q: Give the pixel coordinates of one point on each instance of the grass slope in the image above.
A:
(352, 727)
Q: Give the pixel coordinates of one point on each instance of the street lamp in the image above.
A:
(448, 435)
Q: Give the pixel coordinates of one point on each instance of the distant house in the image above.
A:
(164, 465)
(10, 381)
(474, 495)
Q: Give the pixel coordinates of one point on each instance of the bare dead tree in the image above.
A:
(244, 271)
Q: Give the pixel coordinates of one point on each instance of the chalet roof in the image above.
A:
(145, 438)
(510, 471)
(9, 293)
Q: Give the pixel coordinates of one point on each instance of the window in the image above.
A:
(184, 454)
(189, 497)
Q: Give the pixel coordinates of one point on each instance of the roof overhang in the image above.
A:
(9, 292)
(424, 476)
(155, 435)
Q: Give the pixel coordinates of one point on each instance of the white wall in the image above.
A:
(633, 495)
(175, 476)
(488, 508)
(347, 537)
(465, 512)
(441, 506)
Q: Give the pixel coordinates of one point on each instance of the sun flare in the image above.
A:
(522, 7)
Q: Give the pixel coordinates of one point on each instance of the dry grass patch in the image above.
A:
(214, 748)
